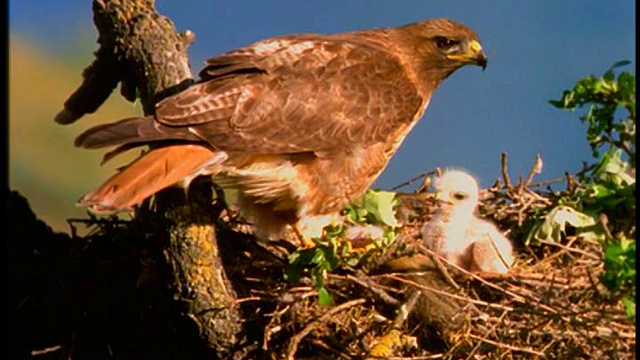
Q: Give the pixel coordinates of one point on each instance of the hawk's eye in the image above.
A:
(445, 44)
(459, 196)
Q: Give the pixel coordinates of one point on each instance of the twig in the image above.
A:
(439, 265)
(247, 299)
(475, 348)
(293, 345)
(405, 309)
(46, 350)
(516, 297)
(538, 197)
(400, 278)
(604, 222)
(523, 210)
(426, 357)
(505, 346)
(412, 180)
(326, 346)
(386, 344)
(366, 283)
(594, 284)
(475, 276)
(544, 183)
(504, 170)
(567, 248)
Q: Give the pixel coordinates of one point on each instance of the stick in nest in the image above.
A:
(366, 283)
(386, 344)
(295, 341)
(436, 258)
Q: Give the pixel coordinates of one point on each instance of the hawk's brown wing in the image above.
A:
(304, 93)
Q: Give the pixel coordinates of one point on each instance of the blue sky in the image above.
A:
(536, 49)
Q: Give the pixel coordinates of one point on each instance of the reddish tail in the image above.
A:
(154, 171)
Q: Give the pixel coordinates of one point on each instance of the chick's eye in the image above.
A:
(444, 43)
(459, 196)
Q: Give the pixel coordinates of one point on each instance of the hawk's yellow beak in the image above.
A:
(472, 54)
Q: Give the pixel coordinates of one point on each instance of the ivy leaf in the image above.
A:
(565, 102)
(379, 204)
(598, 191)
(555, 223)
(620, 264)
(620, 63)
(318, 256)
(324, 298)
(627, 85)
(629, 304)
(297, 261)
(613, 168)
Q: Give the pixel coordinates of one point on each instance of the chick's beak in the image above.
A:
(442, 200)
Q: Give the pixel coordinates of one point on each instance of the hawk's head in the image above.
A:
(440, 46)
(457, 189)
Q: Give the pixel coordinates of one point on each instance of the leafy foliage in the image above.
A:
(605, 96)
(374, 217)
(555, 222)
(375, 207)
(620, 275)
(603, 207)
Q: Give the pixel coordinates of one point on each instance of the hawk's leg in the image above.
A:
(310, 227)
(307, 243)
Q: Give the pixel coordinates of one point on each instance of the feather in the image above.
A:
(154, 171)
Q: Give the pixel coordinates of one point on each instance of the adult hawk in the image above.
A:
(300, 124)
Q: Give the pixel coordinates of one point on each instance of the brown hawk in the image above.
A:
(301, 124)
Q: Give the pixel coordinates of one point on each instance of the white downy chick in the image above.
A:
(458, 235)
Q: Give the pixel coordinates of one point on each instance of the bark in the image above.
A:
(142, 51)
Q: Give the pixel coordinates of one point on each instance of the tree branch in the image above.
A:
(141, 49)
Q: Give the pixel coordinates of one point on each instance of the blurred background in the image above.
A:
(536, 50)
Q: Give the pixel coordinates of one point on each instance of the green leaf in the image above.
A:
(297, 261)
(595, 235)
(627, 85)
(629, 304)
(582, 86)
(627, 244)
(607, 77)
(620, 63)
(555, 223)
(619, 264)
(324, 298)
(604, 96)
(565, 102)
(598, 191)
(557, 103)
(612, 168)
(380, 204)
(318, 256)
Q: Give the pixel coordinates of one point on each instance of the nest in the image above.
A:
(112, 287)
(550, 305)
